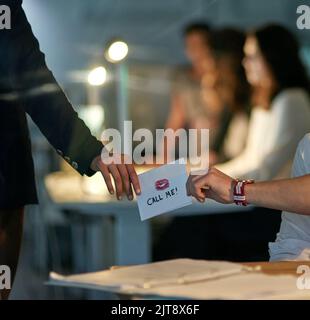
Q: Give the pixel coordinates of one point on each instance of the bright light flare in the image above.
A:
(117, 51)
(97, 76)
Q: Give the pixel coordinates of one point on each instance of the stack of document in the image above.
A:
(187, 279)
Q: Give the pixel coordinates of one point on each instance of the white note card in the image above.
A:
(163, 190)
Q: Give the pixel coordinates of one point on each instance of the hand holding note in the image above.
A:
(163, 190)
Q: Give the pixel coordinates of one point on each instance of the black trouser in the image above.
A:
(236, 236)
(11, 229)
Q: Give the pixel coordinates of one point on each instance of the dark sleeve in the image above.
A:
(43, 99)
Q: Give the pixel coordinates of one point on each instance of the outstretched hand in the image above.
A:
(214, 185)
(124, 176)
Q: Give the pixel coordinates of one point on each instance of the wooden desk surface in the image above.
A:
(278, 268)
(271, 268)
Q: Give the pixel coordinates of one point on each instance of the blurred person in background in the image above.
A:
(187, 109)
(281, 112)
(279, 119)
(226, 88)
(28, 86)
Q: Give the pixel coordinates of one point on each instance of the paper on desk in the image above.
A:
(163, 190)
(152, 275)
(244, 286)
(190, 279)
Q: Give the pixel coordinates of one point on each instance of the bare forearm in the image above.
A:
(292, 195)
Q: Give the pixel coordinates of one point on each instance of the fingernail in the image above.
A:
(130, 198)
(138, 191)
(119, 198)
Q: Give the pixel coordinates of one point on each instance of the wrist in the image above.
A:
(240, 192)
(94, 164)
(249, 191)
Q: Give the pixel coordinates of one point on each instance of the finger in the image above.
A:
(126, 182)
(196, 189)
(134, 178)
(117, 180)
(202, 182)
(195, 192)
(188, 184)
(130, 197)
(209, 194)
(199, 195)
(106, 176)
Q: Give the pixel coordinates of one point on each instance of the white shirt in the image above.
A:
(273, 137)
(294, 235)
(236, 137)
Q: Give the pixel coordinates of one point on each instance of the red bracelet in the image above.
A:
(239, 195)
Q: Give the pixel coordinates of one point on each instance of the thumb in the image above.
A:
(204, 182)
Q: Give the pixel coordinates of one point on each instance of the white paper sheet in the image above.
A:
(163, 190)
(244, 286)
(188, 279)
(153, 275)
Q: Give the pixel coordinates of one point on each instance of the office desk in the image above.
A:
(279, 268)
(88, 198)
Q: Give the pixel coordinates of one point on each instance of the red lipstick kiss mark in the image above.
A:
(162, 184)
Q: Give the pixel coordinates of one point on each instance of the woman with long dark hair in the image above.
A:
(281, 113)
